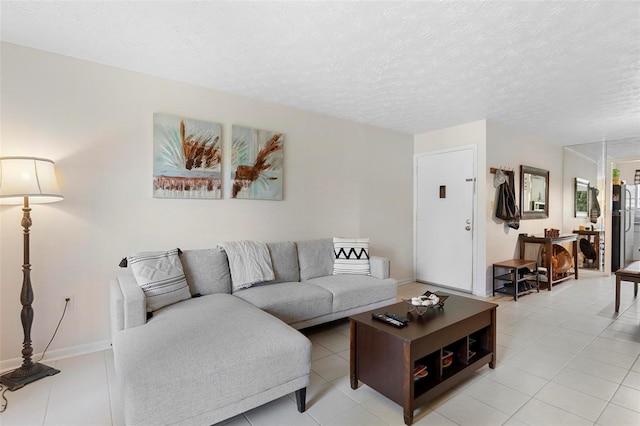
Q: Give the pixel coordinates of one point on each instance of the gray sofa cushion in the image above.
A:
(214, 351)
(290, 302)
(207, 271)
(351, 291)
(284, 259)
(316, 258)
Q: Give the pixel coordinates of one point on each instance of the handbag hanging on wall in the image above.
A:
(507, 209)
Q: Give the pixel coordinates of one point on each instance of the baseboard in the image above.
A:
(407, 281)
(10, 364)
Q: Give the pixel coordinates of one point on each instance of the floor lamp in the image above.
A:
(24, 179)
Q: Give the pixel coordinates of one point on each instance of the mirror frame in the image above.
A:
(585, 183)
(528, 214)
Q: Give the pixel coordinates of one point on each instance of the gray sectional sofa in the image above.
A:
(209, 358)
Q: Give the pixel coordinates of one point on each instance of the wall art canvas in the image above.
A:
(256, 164)
(187, 156)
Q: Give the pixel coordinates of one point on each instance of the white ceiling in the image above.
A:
(565, 71)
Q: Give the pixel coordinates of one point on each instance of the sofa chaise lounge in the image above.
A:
(226, 350)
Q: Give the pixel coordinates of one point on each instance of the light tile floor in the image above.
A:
(564, 358)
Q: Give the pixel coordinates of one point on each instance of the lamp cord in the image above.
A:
(66, 303)
(5, 404)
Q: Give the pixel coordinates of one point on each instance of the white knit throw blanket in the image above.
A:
(249, 263)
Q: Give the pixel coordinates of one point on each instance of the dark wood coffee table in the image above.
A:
(384, 357)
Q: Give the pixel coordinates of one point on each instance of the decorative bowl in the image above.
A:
(420, 309)
(420, 372)
(447, 359)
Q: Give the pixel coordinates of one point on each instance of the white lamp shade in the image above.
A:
(28, 177)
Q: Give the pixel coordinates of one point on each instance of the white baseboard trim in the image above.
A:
(10, 364)
(407, 281)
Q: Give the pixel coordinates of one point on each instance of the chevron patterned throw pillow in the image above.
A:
(352, 256)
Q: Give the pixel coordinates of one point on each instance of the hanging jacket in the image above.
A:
(594, 211)
(507, 208)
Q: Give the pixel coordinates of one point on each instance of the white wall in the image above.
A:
(628, 167)
(340, 178)
(511, 148)
(473, 133)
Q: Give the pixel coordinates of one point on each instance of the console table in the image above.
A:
(548, 244)
(596, 243)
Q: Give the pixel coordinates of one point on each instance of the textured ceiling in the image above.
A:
(565, 71)
(610, 151)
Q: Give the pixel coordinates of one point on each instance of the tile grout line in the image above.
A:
(109, 387)
(46, 407)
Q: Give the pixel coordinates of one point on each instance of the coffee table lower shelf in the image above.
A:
(384, 357)
(426, 391)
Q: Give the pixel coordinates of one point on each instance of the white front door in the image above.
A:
(444, 198)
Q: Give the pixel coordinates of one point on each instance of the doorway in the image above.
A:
(445, 197)
(623, 154)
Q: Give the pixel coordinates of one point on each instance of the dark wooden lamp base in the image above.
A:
(29, 371)
(23, 376)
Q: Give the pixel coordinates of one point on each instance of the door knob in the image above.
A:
(468, 228)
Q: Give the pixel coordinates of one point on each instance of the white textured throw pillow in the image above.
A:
(161, 277)
(352, 256)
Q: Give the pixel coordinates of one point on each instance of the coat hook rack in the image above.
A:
(507, 170)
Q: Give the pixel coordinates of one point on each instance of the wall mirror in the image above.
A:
(534, 193)
(581, 198)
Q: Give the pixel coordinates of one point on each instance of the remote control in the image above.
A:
(391, 321)
(397, 317)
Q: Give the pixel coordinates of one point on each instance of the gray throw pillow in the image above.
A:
(207, 271)
(315, 258)
(284, 259)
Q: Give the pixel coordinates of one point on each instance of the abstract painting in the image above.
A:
(187, 157)
(256, 164)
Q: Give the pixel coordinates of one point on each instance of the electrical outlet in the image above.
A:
(70, 305)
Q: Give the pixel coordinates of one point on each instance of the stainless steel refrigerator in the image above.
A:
(623, 213)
